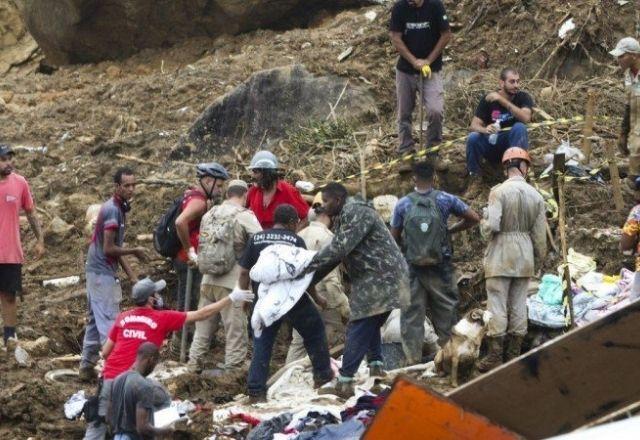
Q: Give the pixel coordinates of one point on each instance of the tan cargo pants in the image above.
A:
(507, 301)
(234, 320)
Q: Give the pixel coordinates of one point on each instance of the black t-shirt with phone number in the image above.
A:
(421, 29)
(261, 240)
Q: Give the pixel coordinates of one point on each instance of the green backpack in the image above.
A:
(424, 233)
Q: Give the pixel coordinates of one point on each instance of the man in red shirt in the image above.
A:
(15, 196)
(271, 192)
(145, 323)
(211, 178)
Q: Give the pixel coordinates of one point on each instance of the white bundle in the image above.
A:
(278, 271)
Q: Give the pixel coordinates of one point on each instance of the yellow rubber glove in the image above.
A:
(426, 71)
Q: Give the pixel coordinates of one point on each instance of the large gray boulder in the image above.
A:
(270, 102)
(77, 31)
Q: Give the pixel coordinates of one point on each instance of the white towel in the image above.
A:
(278, 270)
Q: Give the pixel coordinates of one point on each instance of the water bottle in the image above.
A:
(493, 137)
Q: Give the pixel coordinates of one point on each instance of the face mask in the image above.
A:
(158, 304)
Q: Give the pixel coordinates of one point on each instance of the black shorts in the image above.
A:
(11, 278)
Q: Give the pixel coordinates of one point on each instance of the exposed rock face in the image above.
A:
(270, 102)
(16, 45)
(76, 31)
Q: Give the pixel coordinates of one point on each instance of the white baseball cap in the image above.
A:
(626, 45)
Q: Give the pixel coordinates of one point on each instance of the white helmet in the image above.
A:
(264, 160)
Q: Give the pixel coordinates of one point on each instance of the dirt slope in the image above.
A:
(86, 115)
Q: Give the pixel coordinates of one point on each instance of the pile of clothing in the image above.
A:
(594, 295)
(315, 422)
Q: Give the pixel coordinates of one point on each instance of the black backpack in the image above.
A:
(165, 236)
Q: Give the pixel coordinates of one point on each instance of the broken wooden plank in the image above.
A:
(412, 411)
(566, 383)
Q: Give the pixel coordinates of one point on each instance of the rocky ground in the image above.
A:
(94, 117)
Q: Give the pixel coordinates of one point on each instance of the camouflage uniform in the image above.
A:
(316, 236)
(379, 277)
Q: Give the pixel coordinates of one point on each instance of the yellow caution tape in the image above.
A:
(449, 143)
(446, 144)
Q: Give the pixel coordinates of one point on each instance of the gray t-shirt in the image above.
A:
(112, 217)
(130, 391)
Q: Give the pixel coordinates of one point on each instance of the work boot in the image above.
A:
(320, 381)
(514, 347)
(475, 186)
(343, 387)
(87, 374)
(376, 369)
(494, 354)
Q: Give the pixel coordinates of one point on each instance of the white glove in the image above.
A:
(238, 295)
(305, 186)
(193, 257)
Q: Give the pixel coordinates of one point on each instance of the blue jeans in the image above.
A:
(363, 338)
(478, 146)
(103, 297)
(305, 318)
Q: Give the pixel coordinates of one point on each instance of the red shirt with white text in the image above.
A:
(134, 327)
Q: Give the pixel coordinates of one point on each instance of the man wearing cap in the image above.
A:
(15, 196)
(146, 322)
(270, 191)
(627, 51)
(515, 224)
(216, 287)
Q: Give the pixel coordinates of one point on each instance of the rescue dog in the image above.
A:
(462, 350)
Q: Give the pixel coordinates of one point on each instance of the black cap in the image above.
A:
(6, 150)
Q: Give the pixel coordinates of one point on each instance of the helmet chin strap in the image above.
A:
(209, 194)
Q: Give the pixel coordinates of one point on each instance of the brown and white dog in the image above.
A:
(462, 350)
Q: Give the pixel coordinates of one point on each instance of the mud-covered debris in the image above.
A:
(22, 357)
(39, 347)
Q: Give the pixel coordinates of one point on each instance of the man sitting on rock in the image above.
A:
(509, 107)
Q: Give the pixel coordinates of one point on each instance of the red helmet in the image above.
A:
(516, 153)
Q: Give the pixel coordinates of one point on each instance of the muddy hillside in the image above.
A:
(323, 82)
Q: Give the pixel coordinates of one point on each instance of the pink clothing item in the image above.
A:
(15, 196)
